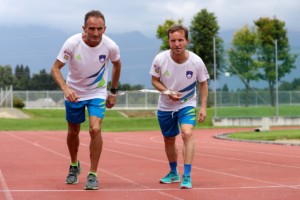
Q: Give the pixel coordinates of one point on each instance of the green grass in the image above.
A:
(258, 111)
(48, 119)
(268, 135)
(54, 119)
(44, 119)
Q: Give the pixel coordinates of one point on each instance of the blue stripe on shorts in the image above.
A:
(169, 120)
(75, 111)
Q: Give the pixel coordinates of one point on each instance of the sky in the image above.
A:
(144, 16)
(123, 16)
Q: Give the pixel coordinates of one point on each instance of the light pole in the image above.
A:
(276, 68)
(215, 77)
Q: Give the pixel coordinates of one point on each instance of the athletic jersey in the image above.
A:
(88, 66)
(178, 77)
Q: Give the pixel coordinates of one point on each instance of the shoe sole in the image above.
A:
(185, 187)
(162, 182)
(95, 188)
(71, 183)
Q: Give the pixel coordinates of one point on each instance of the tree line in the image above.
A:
(21, 79)
(258, 52)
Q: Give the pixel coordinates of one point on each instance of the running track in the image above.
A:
(33, 165)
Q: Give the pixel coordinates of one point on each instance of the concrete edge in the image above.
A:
(223, 136)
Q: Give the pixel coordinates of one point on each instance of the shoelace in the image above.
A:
(91, 177)
(73, 170)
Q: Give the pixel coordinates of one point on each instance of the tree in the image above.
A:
(22, 78)
(269, 31)
(6, 76)
(203, 29)
(287, 86)
(42, 81)
(126, 86)
(296, 84)
(225, 88)
(241, 58)
(161, 32)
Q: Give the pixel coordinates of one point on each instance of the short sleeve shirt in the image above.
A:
(88, 66)
(178, 77)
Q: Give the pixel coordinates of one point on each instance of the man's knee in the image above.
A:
(95, 130)
(169, 140)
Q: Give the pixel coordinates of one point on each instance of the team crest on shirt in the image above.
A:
(102, 58)
(156, 69)
(66, 55)
(189, 74)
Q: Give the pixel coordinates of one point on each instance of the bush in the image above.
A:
(18, 103)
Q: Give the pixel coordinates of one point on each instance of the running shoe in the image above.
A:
(91, 183)
(171, 177)
(186, 182)
(73, 174)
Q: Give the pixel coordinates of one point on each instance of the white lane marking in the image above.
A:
(5, 189)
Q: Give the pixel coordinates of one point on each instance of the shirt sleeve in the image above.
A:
(155, 68)
(202, 74)
(114, 52)
(65, 52)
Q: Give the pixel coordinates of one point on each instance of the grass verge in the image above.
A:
(267, 135)
(114, 120)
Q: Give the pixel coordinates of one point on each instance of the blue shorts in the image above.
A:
(75, 111)
(169, 120)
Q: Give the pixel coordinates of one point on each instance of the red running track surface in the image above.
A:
(33, 165)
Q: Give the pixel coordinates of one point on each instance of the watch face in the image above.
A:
(114, 90)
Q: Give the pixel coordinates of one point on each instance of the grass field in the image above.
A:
(54, 119)
(258, 111)
(114, 120)
(268, 135)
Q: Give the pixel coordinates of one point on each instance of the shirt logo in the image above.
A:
(77, 57)
(189, 74)
(167, 73)
(156, 69)
(67, 55)
(102, 58)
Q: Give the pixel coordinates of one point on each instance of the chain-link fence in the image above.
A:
(55, 99)
(6, 97)
(254, 98)
(145, 100)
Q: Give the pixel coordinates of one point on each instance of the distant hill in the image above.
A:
(37, 47)
(137, 54)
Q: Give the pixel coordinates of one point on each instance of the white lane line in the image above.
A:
(5, 189)
(164, 189)
(212, 171)
(87, 164)
(163, 161)
(194, 167)
(248, 151)
(249, 161)
(118, 140)
(212, 145)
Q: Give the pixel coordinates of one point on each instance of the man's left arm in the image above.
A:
(115, 77)
(203, 92)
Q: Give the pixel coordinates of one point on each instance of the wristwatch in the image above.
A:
(114, 90)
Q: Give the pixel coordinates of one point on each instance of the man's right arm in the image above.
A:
(57, 76)
(157, 84)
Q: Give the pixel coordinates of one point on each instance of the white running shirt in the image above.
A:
(88, 66)
(178, 77)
